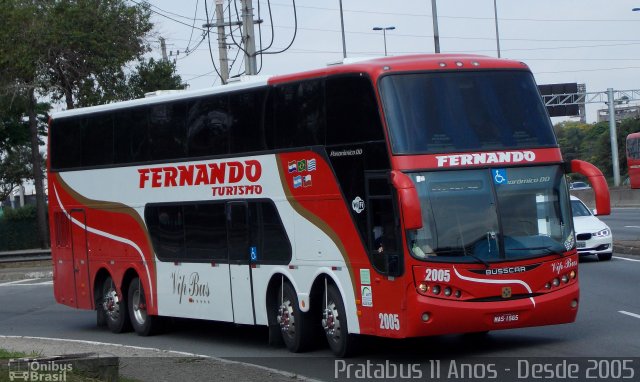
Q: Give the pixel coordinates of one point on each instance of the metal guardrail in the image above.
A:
(25, 255)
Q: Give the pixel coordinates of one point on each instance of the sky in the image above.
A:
(595, 42)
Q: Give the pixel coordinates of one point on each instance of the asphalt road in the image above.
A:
(607, 326)
(624, 223)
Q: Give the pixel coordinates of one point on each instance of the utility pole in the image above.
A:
(248, 36)
(222, 39)
(609, 98)
(436, 35)
(222, 42)
(495, 10)
(613, 136)
(344, 43)
(163, 47)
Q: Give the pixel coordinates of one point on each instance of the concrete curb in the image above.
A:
(627, 248)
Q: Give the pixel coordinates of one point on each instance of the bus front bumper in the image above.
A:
(433, 316)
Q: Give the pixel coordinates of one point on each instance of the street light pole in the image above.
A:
(436, 35)
(384, 35)
(495, 10)
(344, 44)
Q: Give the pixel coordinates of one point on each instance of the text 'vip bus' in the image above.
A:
(396, 197)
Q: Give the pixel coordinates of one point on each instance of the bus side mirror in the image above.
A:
(598, 183)
(408, 199)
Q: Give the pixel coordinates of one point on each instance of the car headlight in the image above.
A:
(602, 233)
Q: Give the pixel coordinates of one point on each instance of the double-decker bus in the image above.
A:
(633, 159)
(396, 197)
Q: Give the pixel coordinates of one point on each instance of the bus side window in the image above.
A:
(299, 114)
(208, 124)
(352, 111)
(383, 237)
(167, 133)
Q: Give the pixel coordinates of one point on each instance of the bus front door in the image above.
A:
(80, 259)
(240, 262)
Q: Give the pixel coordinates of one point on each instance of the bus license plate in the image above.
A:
(581, 244)
(503, 318)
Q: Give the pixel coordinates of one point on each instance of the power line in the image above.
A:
(163, 15)
(361, 11)
(295, 32)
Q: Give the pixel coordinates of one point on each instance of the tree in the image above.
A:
(154, 75)
(592, 143)
(88, 44)
(66, 49)
(22, 47)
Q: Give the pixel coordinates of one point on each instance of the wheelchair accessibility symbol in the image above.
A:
(499, 176)
(254, 254)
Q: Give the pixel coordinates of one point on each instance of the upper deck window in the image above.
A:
(464, 111)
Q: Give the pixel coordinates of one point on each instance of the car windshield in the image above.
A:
(464, 111)
(579, 209)
(492, 214)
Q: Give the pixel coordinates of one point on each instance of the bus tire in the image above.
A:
(335, 325)
(143, 323)
(295, 325)
(115, 308)
(101, 315)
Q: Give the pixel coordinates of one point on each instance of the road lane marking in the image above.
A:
(16, 282)
(629, 314)
(32, 284)
(625, 258)
(222, 360)
(632, 226)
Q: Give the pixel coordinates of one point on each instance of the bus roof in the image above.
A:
(406, 63)
(373, 67)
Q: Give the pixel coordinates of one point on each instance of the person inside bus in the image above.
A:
(386, 239)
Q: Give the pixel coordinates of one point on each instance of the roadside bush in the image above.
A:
(19, 229)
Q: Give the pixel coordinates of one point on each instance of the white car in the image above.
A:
(579, 186)
(593, 237)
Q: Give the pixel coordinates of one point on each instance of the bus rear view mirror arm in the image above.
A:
(598, 183)
(408, 199)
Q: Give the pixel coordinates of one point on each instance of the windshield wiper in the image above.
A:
(463, 252)
(547, 250)
(486, 263)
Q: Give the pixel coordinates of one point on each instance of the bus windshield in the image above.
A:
(492, 214)
(464, 111)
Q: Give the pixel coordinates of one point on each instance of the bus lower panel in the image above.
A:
(448, 317)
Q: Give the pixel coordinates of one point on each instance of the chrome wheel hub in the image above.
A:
(111, 304)
(139, 308)
(286, 319)
(331, 322)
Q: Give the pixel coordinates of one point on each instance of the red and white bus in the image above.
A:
(633, 159)
(396, 197)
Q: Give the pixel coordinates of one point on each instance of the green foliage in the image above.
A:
(18, 230)
(26, 213)
(89, 42)
(15, 150)
(592, 143)
(154, 75)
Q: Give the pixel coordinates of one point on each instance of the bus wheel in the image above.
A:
(142, 322)
(101, 314)
(115, 308)
(334, 323)
(295, 325)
